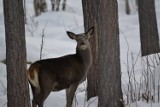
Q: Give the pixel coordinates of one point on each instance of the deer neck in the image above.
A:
(85, 56)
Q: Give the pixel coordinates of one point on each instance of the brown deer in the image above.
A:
(65, 72)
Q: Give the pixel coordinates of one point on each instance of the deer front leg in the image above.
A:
(70, 92)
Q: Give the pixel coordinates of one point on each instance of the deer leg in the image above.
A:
(36, 97)
(70, 92)
(34, 92)
(45, 88)
(40, 97)
(34, 104)
(36, 100)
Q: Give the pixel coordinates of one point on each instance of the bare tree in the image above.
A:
(17, 81)
(148, 27)
(107, 74)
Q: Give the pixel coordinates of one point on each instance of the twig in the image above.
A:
(42, 42)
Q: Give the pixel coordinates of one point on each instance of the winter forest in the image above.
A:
(79, 53)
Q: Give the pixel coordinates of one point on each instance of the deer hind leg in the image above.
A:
(35, 96)
(70, 92)
(34, 91)
(39, 95)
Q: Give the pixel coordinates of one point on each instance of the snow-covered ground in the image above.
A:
(57, 43)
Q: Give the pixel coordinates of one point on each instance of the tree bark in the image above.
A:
(148, 27)
(103, 14)
(89, 13)
(110, 73)
(17, 81)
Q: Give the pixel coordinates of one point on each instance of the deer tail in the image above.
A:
(33, 75)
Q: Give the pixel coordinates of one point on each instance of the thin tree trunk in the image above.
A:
(64, 5)
(17, 81)
(43, 5)
(39, 6)
(127, 7)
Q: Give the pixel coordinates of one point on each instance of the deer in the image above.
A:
(65, 72)
(55, 4)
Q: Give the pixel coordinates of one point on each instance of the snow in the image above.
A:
(57, 43)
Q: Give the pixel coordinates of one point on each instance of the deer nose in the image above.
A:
(83, 46)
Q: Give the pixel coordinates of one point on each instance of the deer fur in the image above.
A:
(65, 72)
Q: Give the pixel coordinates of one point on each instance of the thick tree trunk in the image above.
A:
(104, 78)
(89, 11)
(17, 81)
(110, 93)
(148, 27)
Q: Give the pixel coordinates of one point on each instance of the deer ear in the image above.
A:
(90, 31)
(71, 35)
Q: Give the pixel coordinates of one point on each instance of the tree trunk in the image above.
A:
(136, 1)
(43, 5)
(40, 6)
(64, 5)
(128, 11)
(103, 15)
(110, 93)
(37, 7)
(89, 11)
(148, 27)
(17, 81)
(24, 6)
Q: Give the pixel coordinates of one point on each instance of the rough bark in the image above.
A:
(103, 14)
(110, 93)
(89, 11)
(17, 81)
(148, 27)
